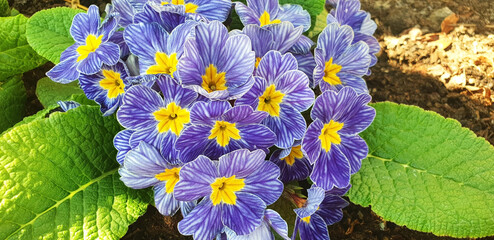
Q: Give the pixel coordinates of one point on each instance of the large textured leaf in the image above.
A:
(60, 179)
(48, 32)
(12, 102)
(427, 172)
(16, 56)
(50, 92)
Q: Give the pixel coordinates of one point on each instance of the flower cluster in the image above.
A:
(220, 122)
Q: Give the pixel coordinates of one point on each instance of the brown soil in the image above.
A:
(451, 74)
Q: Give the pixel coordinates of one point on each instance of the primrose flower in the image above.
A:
(106, 87)
(215, 64)
(265, 12)
(340, 63)
(293, 165)
(348, 12)
(283, 92)
(91, 48)
(218, 128)
(209, 9)
(126, 10)
(235, 191)
(332, 141)
(271, 220)
(144, 167)
(157, 120)
(157, 50)
(321, 209)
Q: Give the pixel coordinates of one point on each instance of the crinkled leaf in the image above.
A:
(60, 179)
(48, 32)
(16, 56)
(4, 8)
(50, 92)
(12, 102)
(427, 172)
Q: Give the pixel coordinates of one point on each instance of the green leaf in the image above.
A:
(82, 99)
(16, 56)
(426, 172)
(48, 32)
(12, 102)
(319, 25)
(4, 8)
(60, 179)
(50, 92)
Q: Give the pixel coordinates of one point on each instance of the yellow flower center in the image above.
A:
(330, 71)
(270, 101)
(295, 153)
(212, 80)
(223, 132)
(224, 190)
(258, 60)
(189, 7)
(171, 176)
(92, 43)
(113, 83)
(265, 19)
(329, 134)
(306, 219)
(173, 118)
(164, 64)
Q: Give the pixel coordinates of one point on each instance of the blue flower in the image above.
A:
(283, 92)
(215, 64)
(121, 142)
(340, 63)
(144, 167)
(106, 87)
(331, 142)
(157, 50)
(293, 165)
(348, 12)
(209, 9)
(91, 48)
(321, 209)
(265, 12)
(157, 120)
(235, 191)
(218, 128)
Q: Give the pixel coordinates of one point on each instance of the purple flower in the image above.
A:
(209, 9)
(235, 191)
(293, 165)
(348, 12)
(144, 167)
(106, 87)
(271, 220)
(121, 142)
(265, 12)
(217, 65)
(217, 129)
(321, 209)
(157, 50)
(331, 142)
(126, 10)
(91, 48)
(283, 92)
(340, 63)
(157, 120)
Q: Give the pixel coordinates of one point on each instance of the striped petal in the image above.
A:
(311, 144)
(355, 149)
(264, 183)
(165, 202)
(245, 215)
(193, 142)
(316, 229)
(288, 127)
(204, 222)
(195, 179)
(273, 65)
(332, 169)
(295, 14)
(295, 85)
(137, 108)
(241, 163)
(314, 199)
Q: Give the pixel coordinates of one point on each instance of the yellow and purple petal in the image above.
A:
(195, 179)
(245, 215)
(331, 169)
(203, 222)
